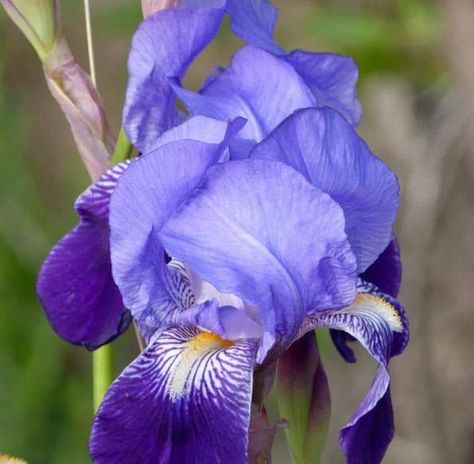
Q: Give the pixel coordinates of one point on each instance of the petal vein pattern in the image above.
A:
(380, 324)
(143, 420)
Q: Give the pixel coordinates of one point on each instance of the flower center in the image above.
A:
(190, 359)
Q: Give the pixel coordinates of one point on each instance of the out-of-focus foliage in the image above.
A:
(45, 385)
(384, 37)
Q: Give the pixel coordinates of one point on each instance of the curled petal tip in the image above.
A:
(142, 418)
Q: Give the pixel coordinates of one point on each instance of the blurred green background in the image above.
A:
(416, 86)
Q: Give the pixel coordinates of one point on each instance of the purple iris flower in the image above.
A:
(260, 218)
(75, 284)
(262, 251)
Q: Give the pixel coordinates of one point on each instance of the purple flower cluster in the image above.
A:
(254, 218)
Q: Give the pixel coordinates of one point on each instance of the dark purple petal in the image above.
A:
(75, 284)
(366, 438)
(386, 271)
(333, 80)
(340, 340)
(323, 146)
(254, 21)
(258, 230)
(164, 46)
(185, 399)
(381, 327)
(147, 194)
(257, 86)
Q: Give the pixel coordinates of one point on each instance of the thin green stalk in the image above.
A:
(102, 373)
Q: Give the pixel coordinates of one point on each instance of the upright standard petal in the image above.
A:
(75, 284)
(322, 145)
(257, 229)
(147, 194)
(164, 46)
(257, 86)
(254, 21)
(185, 399)
(331, 77)
(380, 325)
(333, 80)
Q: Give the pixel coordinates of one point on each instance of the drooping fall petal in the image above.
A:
(185, 399)
(380, 324)
(75, 285)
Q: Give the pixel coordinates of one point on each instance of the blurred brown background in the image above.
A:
(417, 90)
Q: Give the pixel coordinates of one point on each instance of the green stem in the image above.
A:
(123, 148)
(102, 369)
(102, 372)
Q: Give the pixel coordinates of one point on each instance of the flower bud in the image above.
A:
(80, 102)
(303, 399)
(37, 19)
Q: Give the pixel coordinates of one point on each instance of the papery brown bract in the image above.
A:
(152, 6)
(80, 102)
(69, 84)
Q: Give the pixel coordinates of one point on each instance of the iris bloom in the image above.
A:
(258, 219)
